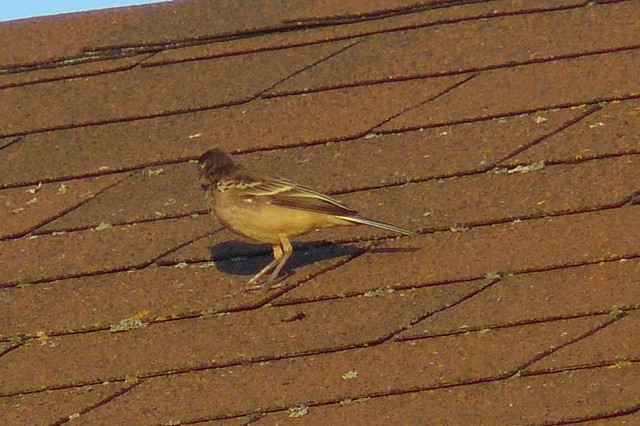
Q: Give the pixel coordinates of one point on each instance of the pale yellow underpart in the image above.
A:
(265, 222)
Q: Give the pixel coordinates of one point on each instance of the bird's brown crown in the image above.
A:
(213, 165)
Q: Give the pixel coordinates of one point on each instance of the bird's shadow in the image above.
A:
(240, 258)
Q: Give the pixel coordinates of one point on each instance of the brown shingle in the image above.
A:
(383, 369)
(25, 209)
(219, 340)
(98, 33)
(157, 91)
(528, 88)
(180, 291)
(500, 42)
(171, 190)
(286, 121)
(504, 248)
(101, 249)
(565, 397)
(614, 346)
(613, 130)
(435, 16)
(58, 406)
(535, 296)
(70, 71)
(505, 132)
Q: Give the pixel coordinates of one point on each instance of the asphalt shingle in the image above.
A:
(505, 133)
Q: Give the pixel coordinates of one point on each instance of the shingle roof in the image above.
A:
(505, 132)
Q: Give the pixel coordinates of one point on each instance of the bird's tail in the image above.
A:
(382, 225)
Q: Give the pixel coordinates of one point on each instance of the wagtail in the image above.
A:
(270, 209)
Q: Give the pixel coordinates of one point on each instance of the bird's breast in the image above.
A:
(261, 221)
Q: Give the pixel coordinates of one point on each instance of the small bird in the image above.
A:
(270, 209)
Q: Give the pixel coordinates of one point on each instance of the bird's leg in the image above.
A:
(277, 256)
(286, 250)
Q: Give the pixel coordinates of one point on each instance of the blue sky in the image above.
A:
(18, 9)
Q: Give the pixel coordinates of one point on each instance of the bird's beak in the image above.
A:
(204, 182)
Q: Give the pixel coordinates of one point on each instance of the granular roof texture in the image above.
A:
(506, 133)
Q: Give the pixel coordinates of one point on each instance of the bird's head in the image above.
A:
(213, 165)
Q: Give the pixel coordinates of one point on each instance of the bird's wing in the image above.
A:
(282, 192)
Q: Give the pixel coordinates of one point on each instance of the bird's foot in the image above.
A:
(254, 287)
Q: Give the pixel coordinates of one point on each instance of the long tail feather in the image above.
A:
(378, 225)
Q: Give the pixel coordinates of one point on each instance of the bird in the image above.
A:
(270, 209)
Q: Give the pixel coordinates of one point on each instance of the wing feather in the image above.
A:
(282, 192)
